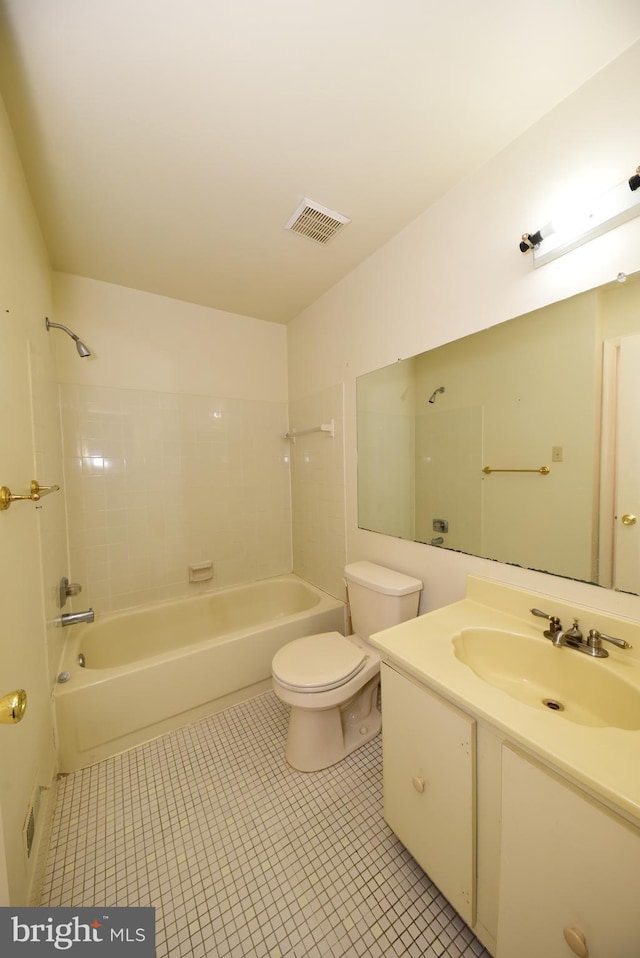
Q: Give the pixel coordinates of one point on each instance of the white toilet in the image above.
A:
(331, 681)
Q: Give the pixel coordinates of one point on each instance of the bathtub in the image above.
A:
(153, 669)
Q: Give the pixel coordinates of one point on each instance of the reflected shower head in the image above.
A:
(83, 351)
(432, 397)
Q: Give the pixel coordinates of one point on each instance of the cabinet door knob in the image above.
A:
(576, 941)
(418, 783)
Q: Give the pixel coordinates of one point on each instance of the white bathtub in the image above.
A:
(154, 669)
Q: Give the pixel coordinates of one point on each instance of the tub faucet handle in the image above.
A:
(68, 589)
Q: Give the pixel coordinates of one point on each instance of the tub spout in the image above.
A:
(73, 618)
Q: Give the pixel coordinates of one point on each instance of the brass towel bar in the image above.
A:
(543, 470)
(36, 492)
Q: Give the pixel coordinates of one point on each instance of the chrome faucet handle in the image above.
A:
(594, 637)
(555, 625)
(67, 589)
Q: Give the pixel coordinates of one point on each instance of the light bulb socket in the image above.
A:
(530, 240)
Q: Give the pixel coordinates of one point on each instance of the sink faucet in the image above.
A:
(573, 638)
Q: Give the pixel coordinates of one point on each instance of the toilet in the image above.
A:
(330, 681)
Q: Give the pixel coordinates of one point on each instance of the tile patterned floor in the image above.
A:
(242, 856)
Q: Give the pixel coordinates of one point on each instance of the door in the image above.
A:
(626, 546)
(569, 880)
(22, 648)
(428, 766)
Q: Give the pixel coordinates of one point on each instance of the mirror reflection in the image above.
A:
(520, 443)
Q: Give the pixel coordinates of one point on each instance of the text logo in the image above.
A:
(100, 932)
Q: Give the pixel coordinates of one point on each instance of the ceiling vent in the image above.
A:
(316, 222)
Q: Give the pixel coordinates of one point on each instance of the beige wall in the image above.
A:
(456, 270)
(174, 446)
(32, 540)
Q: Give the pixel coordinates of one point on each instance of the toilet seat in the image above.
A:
(318, 663)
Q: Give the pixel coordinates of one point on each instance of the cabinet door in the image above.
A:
(428, 775)
(566, 862)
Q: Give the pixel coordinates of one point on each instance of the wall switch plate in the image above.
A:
(556, 454)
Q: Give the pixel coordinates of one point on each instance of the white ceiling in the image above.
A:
(166, 143)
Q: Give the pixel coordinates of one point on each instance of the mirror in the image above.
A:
(517, 443)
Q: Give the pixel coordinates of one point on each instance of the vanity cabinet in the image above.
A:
(429, 784)
(532, 863)
(566, 862)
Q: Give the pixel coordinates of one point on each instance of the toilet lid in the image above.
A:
(317, 663)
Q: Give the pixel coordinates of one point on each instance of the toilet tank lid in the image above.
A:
(386, 581)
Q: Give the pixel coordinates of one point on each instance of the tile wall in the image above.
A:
(317, 480)
(155, 481)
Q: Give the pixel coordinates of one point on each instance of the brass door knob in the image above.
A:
(12, 707)
(577, 942)
(628, 519)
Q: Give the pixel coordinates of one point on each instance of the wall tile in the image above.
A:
(155, 481)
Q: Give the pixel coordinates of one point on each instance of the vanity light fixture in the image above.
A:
(564, 233)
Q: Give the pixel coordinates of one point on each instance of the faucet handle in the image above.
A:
(554, 622)
(67, 589)
(594, 637)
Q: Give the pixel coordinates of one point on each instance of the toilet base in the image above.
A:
(319, 738)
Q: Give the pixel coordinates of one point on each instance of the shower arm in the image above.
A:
(69, 332)
(83, 350)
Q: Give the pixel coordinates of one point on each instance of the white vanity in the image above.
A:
(512, 771)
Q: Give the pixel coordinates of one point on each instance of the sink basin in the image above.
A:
(569, 683)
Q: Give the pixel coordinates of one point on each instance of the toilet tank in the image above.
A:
(379, 597)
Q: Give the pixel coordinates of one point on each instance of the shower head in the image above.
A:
(432, 397)
(83, 351)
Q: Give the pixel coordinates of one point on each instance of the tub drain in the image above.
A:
(553, 705)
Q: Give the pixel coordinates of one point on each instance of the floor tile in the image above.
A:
(243, 856)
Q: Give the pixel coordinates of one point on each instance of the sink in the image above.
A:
(572, 685)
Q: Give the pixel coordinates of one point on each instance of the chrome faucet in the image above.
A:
(74, 618)
(573, 638)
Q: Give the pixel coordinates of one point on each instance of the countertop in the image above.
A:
(604, 760)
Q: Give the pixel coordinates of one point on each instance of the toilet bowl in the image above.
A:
(331, 681)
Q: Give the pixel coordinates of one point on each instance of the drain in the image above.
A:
(553, 705)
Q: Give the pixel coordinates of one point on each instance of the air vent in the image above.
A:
(29, 827)
(316, 222)
(30, 831)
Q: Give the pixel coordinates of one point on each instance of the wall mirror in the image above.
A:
(519, 443)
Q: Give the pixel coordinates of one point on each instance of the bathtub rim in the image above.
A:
(90, 676)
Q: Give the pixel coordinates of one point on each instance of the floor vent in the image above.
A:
(316, 222)
(29, 828)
